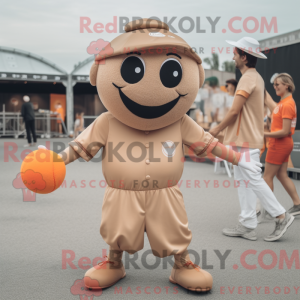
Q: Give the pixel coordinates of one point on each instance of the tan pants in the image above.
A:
(127, 214)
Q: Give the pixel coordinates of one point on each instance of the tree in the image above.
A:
(228, 66)
(213, 62)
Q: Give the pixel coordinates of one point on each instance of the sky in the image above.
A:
(51, 29)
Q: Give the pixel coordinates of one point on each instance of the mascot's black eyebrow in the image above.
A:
(174, 54)
(139, 53)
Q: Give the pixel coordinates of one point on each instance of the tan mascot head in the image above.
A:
(150, 79)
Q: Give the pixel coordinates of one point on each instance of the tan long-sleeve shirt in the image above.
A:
(142, 160)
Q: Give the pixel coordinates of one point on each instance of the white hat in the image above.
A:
(26, 98)
(248, 45)
(273, 77)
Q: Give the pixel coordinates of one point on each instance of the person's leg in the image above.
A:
(271, 205)
(27, 126)
(269, 174)
(247, 218)
(32, 128)
(288, 183)
(261, 189)
(202, 107)
(247, 199)
(257, 184)
(246, 196)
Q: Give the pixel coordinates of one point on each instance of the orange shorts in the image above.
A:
(279, 150)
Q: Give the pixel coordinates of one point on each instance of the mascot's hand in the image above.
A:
(248, 162)
(42, 147)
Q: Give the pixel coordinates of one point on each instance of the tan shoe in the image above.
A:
(105, 274)
(189, 275)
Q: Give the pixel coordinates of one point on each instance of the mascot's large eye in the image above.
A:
(133, 69)
(170, 72)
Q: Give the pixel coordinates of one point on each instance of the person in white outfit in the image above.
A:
(231, 85)
(245, 131)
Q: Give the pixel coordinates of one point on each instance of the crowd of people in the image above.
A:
(246, 117)
(253, 120)
(213, 102)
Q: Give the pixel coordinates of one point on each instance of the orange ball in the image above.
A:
(43, 171)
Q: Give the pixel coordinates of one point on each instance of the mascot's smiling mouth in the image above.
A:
(147, 112)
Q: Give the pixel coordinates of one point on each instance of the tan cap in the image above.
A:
(147, 36)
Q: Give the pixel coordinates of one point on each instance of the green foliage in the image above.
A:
(228, 66)
(213, 62)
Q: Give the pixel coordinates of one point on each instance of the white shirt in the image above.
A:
(204, 93)
(198, 97)
(229, 100)
(218, 100)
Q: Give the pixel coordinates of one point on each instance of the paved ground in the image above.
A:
(37, 237)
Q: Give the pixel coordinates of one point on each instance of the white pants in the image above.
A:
(252, 186)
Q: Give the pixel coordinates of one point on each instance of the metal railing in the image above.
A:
(89, 120)
(46, 125)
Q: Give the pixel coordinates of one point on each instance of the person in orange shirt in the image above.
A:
(284, 118)
(61, 115)
(78, 124)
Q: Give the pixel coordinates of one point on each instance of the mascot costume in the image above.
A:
(147, 83)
